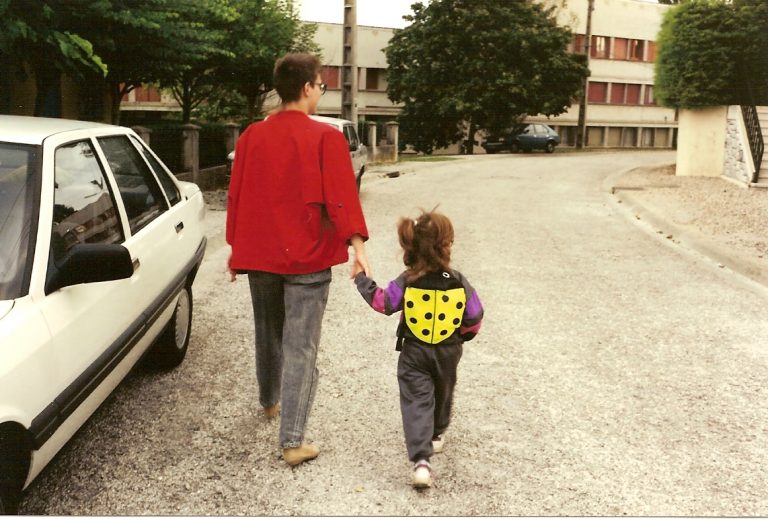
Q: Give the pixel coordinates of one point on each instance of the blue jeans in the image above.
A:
(288, 315)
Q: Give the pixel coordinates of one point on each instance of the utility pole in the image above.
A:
(349, 65)
(581, 130)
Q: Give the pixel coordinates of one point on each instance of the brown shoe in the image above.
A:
(272, 412)
(296, 455)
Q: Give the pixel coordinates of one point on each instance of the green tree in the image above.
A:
(150, 41)
(197, 75)
(464, 65)
(264, 31)
(713, 53)
(40, 41)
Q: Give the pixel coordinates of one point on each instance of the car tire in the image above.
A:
(171, 347)
(14, 464)
(359, 179)
(514, 147)
(550, 147)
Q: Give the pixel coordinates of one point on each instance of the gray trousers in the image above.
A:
(426, 375)
(288, 315)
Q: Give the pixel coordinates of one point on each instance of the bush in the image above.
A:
(712, 53)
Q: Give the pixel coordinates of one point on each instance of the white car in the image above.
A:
(357, 150)
(99, 246)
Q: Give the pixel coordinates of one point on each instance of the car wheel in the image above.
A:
(171, 346)
(14, 463)
(359, 179)
(550, 147)
(514, 147)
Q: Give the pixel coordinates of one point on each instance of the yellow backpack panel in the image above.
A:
(433, 315)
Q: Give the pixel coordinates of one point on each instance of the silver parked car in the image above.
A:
(357, 150)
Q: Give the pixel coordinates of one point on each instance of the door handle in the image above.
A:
(136, 264)
(179, 226)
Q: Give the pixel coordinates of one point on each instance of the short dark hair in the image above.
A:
(292, 72)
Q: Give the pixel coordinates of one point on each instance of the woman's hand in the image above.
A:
(360, 263)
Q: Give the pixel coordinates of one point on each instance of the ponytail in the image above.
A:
(426, 243)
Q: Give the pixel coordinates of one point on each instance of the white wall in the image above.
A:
(701, 142)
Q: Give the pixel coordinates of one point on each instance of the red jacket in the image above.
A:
(292, 204)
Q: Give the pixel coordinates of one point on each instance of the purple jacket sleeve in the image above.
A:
(386, 301)
(473, 314)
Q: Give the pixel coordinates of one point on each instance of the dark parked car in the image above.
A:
(524, 137)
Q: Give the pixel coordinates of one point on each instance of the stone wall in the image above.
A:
(735, 166)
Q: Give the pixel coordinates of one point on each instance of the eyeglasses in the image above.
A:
(323, 87)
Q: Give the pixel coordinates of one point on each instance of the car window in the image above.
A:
(18, 193)
(528, 129)
(138, 188)
(540, 129)
(168, 185)
(83, 205)
(351, 135)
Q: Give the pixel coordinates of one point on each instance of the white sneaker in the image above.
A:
(422, 474)
(438, 442)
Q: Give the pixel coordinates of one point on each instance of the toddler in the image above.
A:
(440, 311)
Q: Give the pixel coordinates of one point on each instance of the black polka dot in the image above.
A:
(425, 297)
(409, 304)
(443, 332)
(459, 305)
(456, 321)
(441, 317)
(445, 299)
(414, 320)
(425, 332)
(428, 316)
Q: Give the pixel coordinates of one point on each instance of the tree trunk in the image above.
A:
(117, 94)
(251, 100)
(469, 145)
(186, 102)
(48, 91)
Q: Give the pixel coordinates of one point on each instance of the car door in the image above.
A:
(540, 135)
(88, 322)
(527, 137)
(356, 148)
(156, 227)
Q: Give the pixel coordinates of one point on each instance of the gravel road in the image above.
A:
(616, 373)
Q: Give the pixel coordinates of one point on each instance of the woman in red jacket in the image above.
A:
(292, 213)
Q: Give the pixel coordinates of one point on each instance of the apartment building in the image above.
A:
(621, 112)
(621, 108)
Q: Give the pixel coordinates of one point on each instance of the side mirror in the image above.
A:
(90, 263)
(352, 146)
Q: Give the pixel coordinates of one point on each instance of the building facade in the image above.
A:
(621, 108)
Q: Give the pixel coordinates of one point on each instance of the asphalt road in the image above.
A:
(615, 374)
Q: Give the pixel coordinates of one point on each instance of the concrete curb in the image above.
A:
(658, 225)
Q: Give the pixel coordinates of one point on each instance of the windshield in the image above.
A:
(17, 196)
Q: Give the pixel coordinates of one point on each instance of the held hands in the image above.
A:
(360, 263)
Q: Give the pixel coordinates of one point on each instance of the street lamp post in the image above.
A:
(581, 133)
(349, 66)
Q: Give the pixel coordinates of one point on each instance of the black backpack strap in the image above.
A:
(400, 335)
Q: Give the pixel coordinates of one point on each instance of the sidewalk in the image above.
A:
(713, 216)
